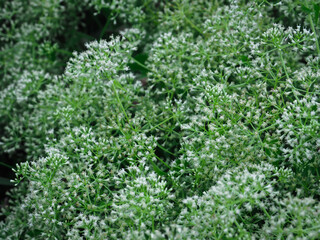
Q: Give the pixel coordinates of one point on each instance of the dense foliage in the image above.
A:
(195, 119)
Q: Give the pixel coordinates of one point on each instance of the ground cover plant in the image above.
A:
(187, 119)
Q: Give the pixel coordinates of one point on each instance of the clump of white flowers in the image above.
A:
(235, 200)
(197, 120)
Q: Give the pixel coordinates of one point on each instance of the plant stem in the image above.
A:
(120, 104)
(193, 25)
(283, 65)
(160, 124)
(6, 165)
(139, 63)
(315, 33)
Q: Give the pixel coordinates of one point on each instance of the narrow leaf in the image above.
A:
(316, 8)
(157, 169)
(305, 9)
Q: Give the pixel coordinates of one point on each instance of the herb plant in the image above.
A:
(194, 119)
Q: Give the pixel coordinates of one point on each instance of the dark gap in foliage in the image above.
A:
(8, 174)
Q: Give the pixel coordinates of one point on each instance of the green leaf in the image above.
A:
(305, 9)
(245, 59)
(34, 233)
(141, 57)
(5, 182)
(118, 85)
(157, 169)
(316, 8)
